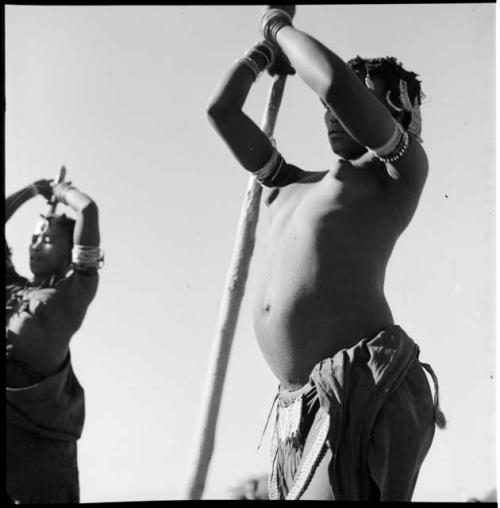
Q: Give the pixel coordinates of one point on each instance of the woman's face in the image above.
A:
(50, 249)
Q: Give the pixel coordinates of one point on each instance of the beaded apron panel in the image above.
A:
(287, 430)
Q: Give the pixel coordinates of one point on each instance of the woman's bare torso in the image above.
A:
(39, 347)
(41, 324)
(321, 289)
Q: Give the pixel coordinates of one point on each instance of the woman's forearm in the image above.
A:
(87, 215)
(245, 139)
(72, 197)
(17, 199)
(316, 64)
(231, 92)
(87, 226)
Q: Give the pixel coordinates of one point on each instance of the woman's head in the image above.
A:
(399, 90)
(51, 244)
(403, 89)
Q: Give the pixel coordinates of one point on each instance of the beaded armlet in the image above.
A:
(395, 148)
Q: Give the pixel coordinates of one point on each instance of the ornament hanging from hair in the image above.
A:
(404, 97)
(369, 82)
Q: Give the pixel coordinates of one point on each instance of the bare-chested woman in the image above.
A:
(355, 412)
(45, 402)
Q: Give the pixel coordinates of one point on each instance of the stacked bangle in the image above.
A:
(265, 49)
(256, 66)
(272, 21)
(87, 256)
(252, 65)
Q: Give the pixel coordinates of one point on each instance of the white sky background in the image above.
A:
(118, 94)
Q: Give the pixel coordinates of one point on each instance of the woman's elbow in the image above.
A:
(215, 111)
(90, 209)
(219, 111)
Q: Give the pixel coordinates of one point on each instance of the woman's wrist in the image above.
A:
(272, 21)
(34, 190)
(61, 190)
(258, 58)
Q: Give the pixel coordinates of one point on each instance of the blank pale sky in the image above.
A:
(118, 94)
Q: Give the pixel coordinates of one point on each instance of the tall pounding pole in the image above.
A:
(234, 290)
(51, 210)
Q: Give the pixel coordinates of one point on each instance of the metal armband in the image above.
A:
(273, 172)
(87, 257)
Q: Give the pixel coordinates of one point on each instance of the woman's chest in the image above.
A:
(33, 310)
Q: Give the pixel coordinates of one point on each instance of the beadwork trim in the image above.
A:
(289, 418)
(308, 464)
(308, 467)
(287, 427)
(272, 485)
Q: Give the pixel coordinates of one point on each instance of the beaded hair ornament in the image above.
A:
(407, 80)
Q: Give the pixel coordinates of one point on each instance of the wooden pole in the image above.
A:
(53, 202)
(234, 290)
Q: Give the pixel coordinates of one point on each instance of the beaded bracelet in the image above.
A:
(399, 151)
